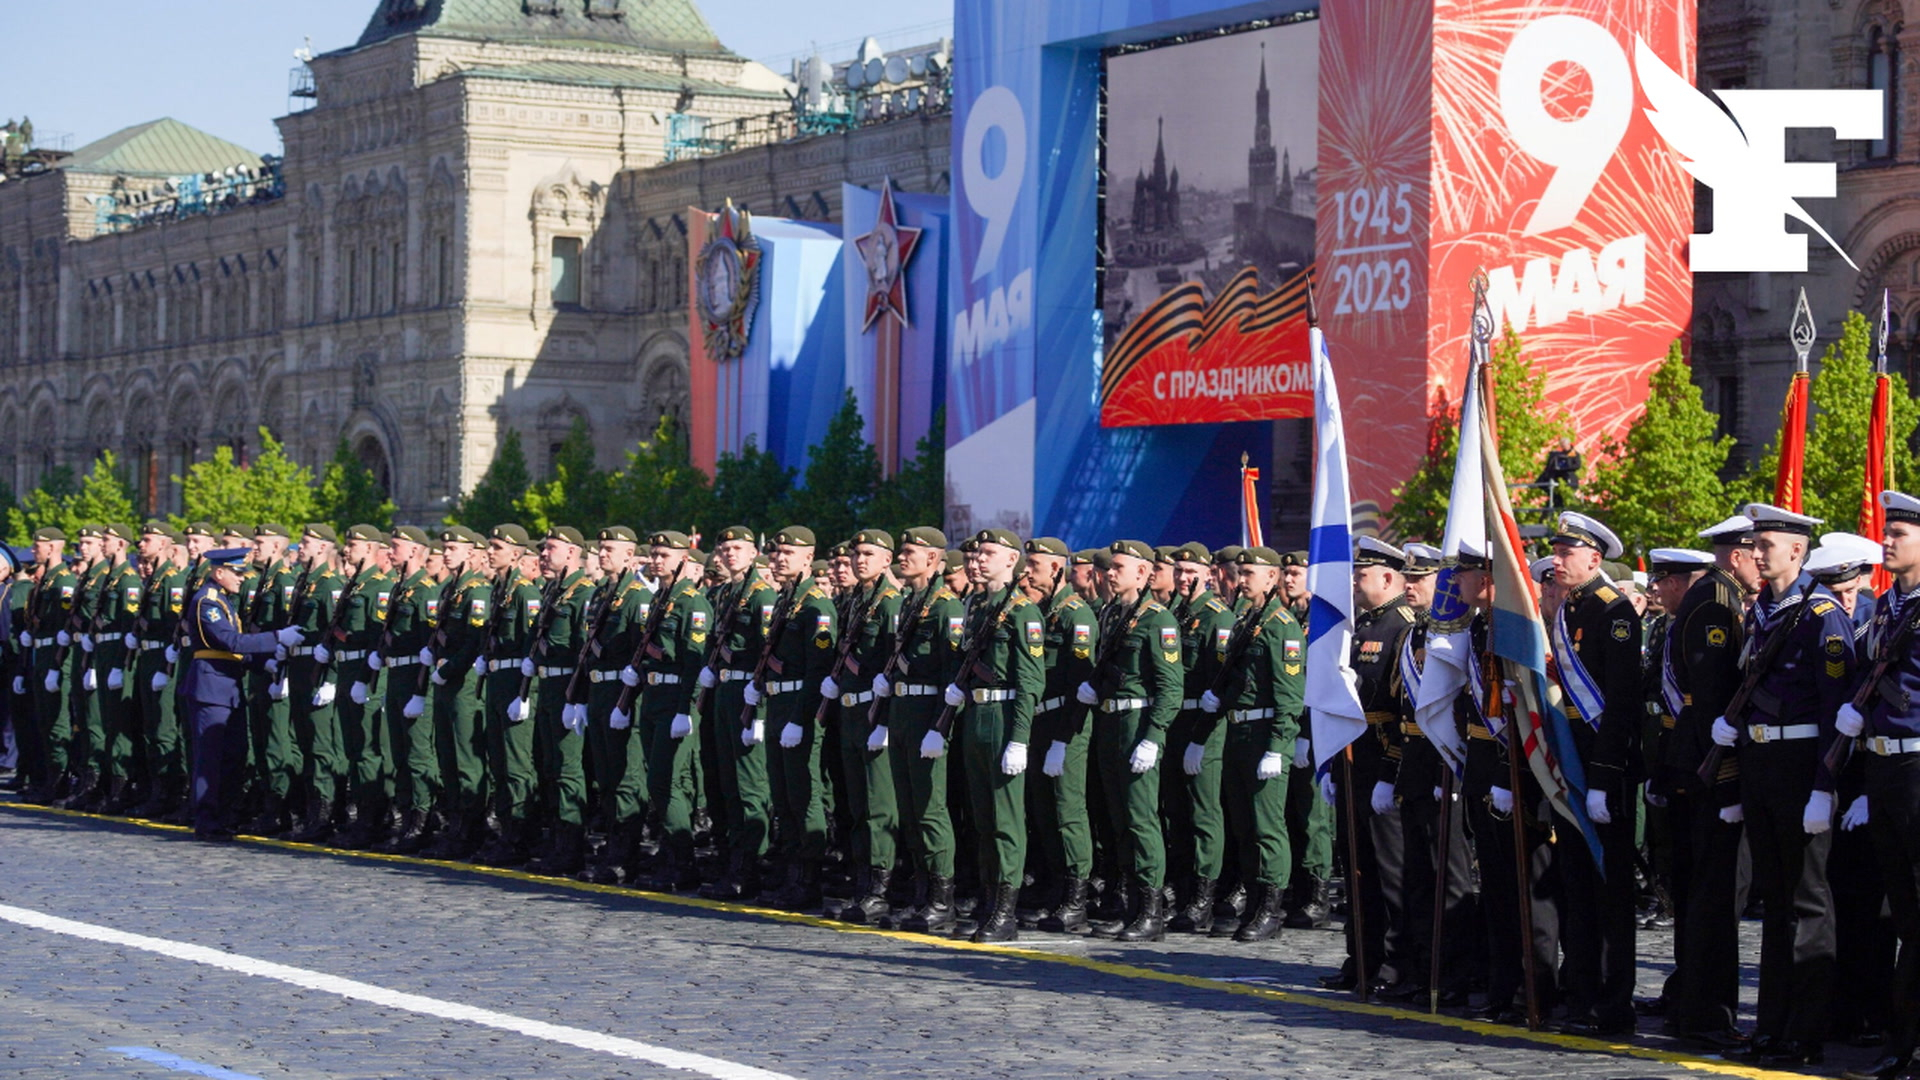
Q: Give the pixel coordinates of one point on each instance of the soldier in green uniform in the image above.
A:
(455, 683)
(1196, 823)
(112, 657)
(1057, 800)
(560, 727)
(341, 656)
(1261, 705)
(162, 597)
(673, 646)
(393, 661)
(870, 624)
(616, 616)
(796, 654)
(316, 724)
(276, 581)
(742, 619)
(1310, 824)
(50, 613)
(1135, 692)
(511, 776)
(79, 685)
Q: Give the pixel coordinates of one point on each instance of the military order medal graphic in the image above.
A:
(727, 283)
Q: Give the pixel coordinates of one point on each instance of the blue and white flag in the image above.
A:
(1450, 655)
(1333, 687)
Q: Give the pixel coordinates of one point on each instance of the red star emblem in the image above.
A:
(884, 252)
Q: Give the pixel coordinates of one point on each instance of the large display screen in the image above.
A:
(1208, 175)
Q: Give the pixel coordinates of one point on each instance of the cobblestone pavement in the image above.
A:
(767, 991)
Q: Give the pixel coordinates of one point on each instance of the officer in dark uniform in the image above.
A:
(218, 656)
(1595, 636)
(1799, 683)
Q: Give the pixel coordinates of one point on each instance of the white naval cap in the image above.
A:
(1373, 551)
(1842, 556)
(1900, 507)
(1736, 531)
(1664, 561)
(1422, 559)
(1577, 528)
(1769, 518)
(1541, 567)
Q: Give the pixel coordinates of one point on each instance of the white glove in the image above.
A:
(829, 688)
(288, 636)
(1271, 766)
(954, 696)
(877, 741)
(707, 678)
(526, 667)
(933, 745)
(159, 680)
(426, 657)
(20, 684)
(89, 681)
(322, 654)
(323, 695)
(619, 721)
(1382, 798)
(278, 691)
(480, 665)
(1326, 789)
(1302, 753)
(1856, 815)
(86, 642)
(357, 693)
(1145, 753)
(1597, 807)
(1818, 817)
(172, 654)
(1724, 734)
(273, 665)
(26, 640)
(1055, 763)
(53, 680)
(116, 678)
(752, 695)
(375, 662)
(682, 726)
(436, 678)
(1014, 761)
(1502, 800)
(516, 710)
(881, 687)
(1733, 815)
(575, 718)
(791, 735)
(415, 706)
(1194, 758)
(129, 641)
(1659, 801)
(755, 734)
(1436, 793)
(279, 653)
(1210, 701)
(63, 639)
(1086, 694)
(629, 677)
(1849, 722)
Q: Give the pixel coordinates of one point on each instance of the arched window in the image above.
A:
(1883, 67)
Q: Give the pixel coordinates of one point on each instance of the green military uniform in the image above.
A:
(743, 621)
(412, 608)
(87, 753)
(163, 595)
(1058, 796)
(316, 722)
(616, 617)
(1310, 821)
(112, 659)
(559, 740)
(51, 607)
(932, 624)
(357, 628)
(276, 753)
(510, 765)
(459, 727)
(800, 654)
(669, 667)
(1140, 684)
(873, 622)
(1195, 819)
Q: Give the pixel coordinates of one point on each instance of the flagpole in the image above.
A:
(1440, 887)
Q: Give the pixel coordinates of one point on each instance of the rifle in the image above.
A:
(971, 661)
(590, 648)
(1757, 665)
(782, 615)
(1890, 651)
(1244, 631)
(655, 615)
(335, 633)
(901, 642)
(549, 607)
(1110, 643)
(77, 623)
(439, 639)
(717, 650)
(843, 661)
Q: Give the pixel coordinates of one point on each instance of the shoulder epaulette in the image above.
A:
(1214, 604)
(815, 593)
(1606, 594)
(1153, 606)
(1406, 614)
(944, 593)
(1821, 607)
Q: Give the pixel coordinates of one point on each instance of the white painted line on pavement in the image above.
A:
(718, 1068)
(176, 1063)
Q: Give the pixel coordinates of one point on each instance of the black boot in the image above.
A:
(513, 847)
(411, 837)
(457, 841)
(121, 795)
(740, 882)
(1314, 910)
(567, 855)
(871, 905)
(802, 891)
(938, 917)
(1150, 924)
(611, 864)
(677, 873)
(370, 825)
(1002, 923)
(318, 824)
(160, 802)
(84, 794)
(1197, 916)
(1229, 911)
(1263, 918)
(1071, 916)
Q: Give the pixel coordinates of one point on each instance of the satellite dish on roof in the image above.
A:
(876, 71)
(896, 68)
(856, 76)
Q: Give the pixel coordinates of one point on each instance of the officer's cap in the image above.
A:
(270, 528)
(1769, 518)
(1842, 556)
(124, 531)
(734, 532)
(1193, 552)
(1736, 531)
(1102, 558)
(236, 530)
(92, 532)
(1471, 557)
(955, 562)
(49, 532)
(820, 568)
(1227, 556)
(924, 536)
(1580, 530)
(512, 534)
(319, 530)
(175, 535)
(1165, 554)
(202, 528)
(1258, 556)
(567, 534)
(363, 532)
(19, 556)
(1422, 559)
(879, 538)
(436, 545)
(155, 527)
(1900, 507)
(696, 555)
(1084, 557)
(1003, 537)
(841, 550)
(1134, 548)
(1048, 545)
(231, 558)
(10, 556)
(1664, 562)
(410, 533)
(455, 534)
(620, 532)
(761, 561)
(1541, 568)
(1373, 551)
(795, 536)
(669, 538)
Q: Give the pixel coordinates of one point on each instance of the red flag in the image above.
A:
(1793, 445)
(1873, 516)
(1250, 535)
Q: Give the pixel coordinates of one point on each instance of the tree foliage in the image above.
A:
(495, 499)
(350, 494)
(660, 488)
(271, 487)
(575, 495)
(100, 498)
(843, 476)
(752, 488)
(917, 494)
(1660, 483)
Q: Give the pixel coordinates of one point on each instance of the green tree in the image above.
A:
(752, 488)
(495, 499)
(917, 494)
(660, 488)
(1660, 483)
(577, 492)
(350, 494)
(271, 487)
(100, 498)
(843, 475)
(1526, 423)
(1840, 401)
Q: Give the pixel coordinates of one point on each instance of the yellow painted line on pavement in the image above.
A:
(1308, 999)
